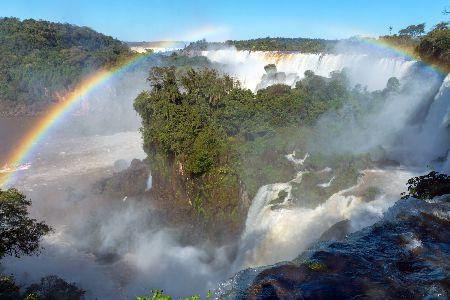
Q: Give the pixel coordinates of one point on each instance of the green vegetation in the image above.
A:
(432, 47)
(200, 117)
(285, 44)
(428, 186)
(269, 44)
(19, 234)
(281, 196)
(212, 143)
(42, 60)
(222, 141)
(159, 295)
(371, 193)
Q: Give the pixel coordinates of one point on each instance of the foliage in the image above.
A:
(434, 47)
(52, 287)
(285, 44)
(19, 234)
(159, 295)
(9, 290)
(192, 116)
(428, 186)
(413, 31)
(305, 45)
(41, 60)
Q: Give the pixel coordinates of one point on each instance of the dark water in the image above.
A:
(12, 130)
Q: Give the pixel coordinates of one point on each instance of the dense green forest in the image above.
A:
(269, 44)
(285, 44)
(41, 60)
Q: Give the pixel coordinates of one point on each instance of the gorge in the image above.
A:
(254, 174)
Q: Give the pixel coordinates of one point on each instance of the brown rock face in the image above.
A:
(130, 182)
(211, 207)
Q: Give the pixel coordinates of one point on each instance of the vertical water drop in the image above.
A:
(149, 182)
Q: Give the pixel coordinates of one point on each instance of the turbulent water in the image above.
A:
(273, 235)
(114, 248)
(370, 71)
(403, 256)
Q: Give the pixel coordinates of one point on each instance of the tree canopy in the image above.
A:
(41, 60)
(191, 115)
(19, 234)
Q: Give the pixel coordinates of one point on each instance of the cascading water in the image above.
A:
(149, 182)
(431, 138)
(277, 229)
(370, 71)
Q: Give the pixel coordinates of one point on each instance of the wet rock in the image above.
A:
(337, 232)
(130, 182)
(120, 165)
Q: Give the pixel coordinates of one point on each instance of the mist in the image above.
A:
(115, 247)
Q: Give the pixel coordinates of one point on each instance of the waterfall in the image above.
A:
(149, 182)
(427, 142)
(274, 235)
(436, 128)
(364, 69)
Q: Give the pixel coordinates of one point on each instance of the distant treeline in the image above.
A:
(270, 44)
(41, 60)
(285, 44)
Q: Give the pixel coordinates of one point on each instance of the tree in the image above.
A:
(393, 84)
(428, 186)
(19, 234)
(413, 31)
(441, 26)
(434, 47)
(390, 30)
(52, 287)
(446, 10)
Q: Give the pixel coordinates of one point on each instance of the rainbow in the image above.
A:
(20, 154)
(385, 45)
(29, 142)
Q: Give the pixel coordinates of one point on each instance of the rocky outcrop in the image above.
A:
(130, 182)
(208, 207)
(337, 232)
(211, 207)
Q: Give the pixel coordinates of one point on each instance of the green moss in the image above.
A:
(281, 196)
(371, 193)
(315, 265)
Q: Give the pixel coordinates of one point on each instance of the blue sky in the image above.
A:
(139, 20)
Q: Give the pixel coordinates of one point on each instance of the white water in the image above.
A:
(327, 184)
(271, 235)
(149, 182)
(248, 66)
(431, 139)
(274, 235)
